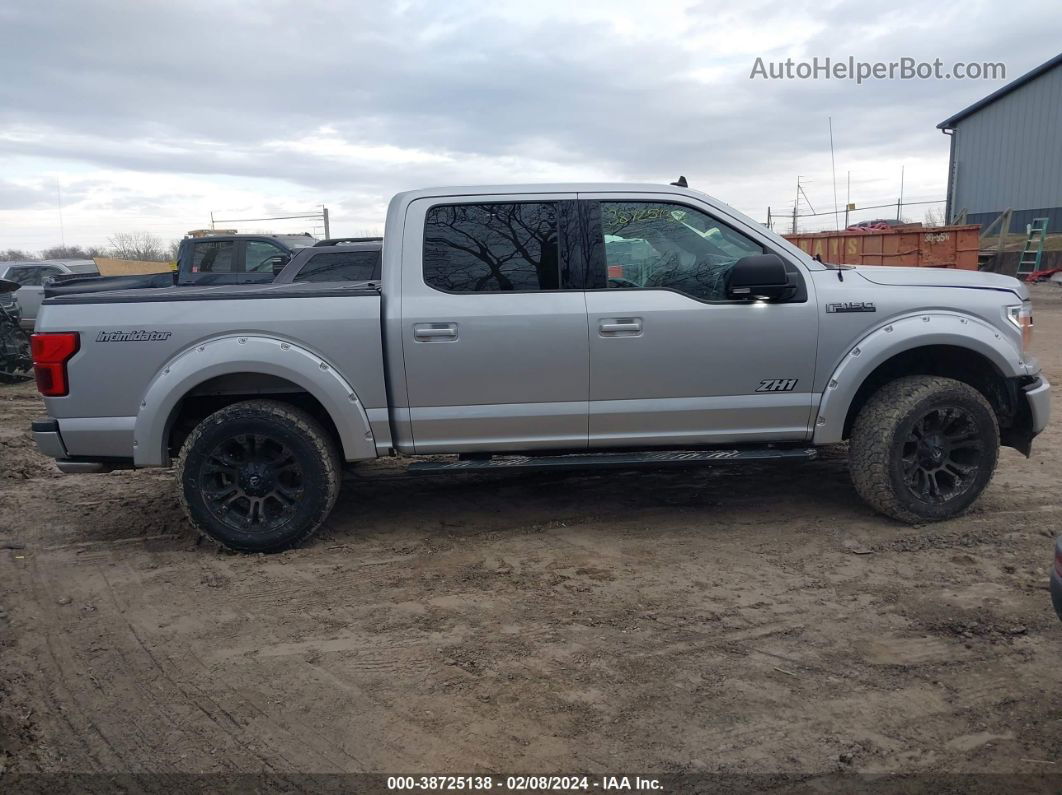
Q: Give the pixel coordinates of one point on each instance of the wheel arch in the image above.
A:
(952, 346)
(229, 369)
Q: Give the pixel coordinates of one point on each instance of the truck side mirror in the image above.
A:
(762, 277)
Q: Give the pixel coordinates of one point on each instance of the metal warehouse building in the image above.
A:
(1006, 152)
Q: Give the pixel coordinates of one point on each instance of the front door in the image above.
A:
(494, 336)
(673, 361)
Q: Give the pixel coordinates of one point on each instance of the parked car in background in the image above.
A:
(236, 259)
(31, 276)
(15, 360)
(335, 261)
(228, 258)
(9, 304)
(1056, 578)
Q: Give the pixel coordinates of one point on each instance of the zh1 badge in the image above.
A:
(777, 385)
(851, 306)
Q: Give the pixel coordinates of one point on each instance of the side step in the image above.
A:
(618, 460)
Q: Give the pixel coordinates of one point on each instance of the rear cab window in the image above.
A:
(340, 266)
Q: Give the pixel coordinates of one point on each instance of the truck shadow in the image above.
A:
(381, 501)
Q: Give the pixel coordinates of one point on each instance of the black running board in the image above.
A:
(617, 460)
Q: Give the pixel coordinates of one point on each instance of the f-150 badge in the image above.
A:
(777, 385)
(851, 306)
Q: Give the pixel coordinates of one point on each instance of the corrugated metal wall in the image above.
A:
(1009, 154)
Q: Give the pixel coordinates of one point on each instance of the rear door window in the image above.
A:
(482, 248)
(214, 256)
(345, 266)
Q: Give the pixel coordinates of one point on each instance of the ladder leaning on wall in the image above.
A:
(1035, 233)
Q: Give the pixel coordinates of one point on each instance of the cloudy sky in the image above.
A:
(149, 115)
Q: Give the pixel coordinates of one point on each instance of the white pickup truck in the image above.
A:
(544, 326)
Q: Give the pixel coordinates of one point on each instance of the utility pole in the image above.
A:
(848, 200)
(796, 205)
(324, 214)
(59, 204)
(899, 202)
(833, 168)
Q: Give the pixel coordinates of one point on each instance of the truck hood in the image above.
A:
(890, 276)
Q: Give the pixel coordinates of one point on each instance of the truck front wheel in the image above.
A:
(923, 448)
(258, 476)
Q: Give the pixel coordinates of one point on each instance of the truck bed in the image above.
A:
(128, 337)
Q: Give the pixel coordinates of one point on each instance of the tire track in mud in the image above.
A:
(64, 664)
(138, 702)
(208, 705)
(141, 698)
(283, 731)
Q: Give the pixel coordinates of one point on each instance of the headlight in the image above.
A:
(1021, 316)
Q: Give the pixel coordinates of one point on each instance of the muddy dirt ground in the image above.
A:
(739, 620)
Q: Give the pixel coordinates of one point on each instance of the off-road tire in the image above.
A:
(296, 506)
(883, 433)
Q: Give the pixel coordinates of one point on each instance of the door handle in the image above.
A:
(624, 325)
(430, 332)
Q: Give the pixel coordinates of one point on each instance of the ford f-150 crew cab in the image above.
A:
(544, 326)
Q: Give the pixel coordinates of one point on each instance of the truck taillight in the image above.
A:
(51, 351)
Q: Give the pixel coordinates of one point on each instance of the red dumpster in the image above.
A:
(931, 247)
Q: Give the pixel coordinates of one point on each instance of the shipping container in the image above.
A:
(930, 247)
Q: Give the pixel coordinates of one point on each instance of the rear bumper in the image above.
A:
(50, 442)
(46, 435)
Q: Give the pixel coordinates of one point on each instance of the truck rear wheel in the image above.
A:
(258, 476)
(923, 448)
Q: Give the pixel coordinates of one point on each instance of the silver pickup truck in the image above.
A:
(544, 326)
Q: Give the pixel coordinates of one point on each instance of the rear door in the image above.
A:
(673, 361)
(494, 333)
(210, 262)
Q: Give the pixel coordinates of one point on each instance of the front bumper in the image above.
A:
(1038, 393)
(1056, 594)
(1056, 579)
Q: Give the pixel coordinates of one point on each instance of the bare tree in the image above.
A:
(15, 254)
(142, 246)
(71, 252)
(934, 217)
